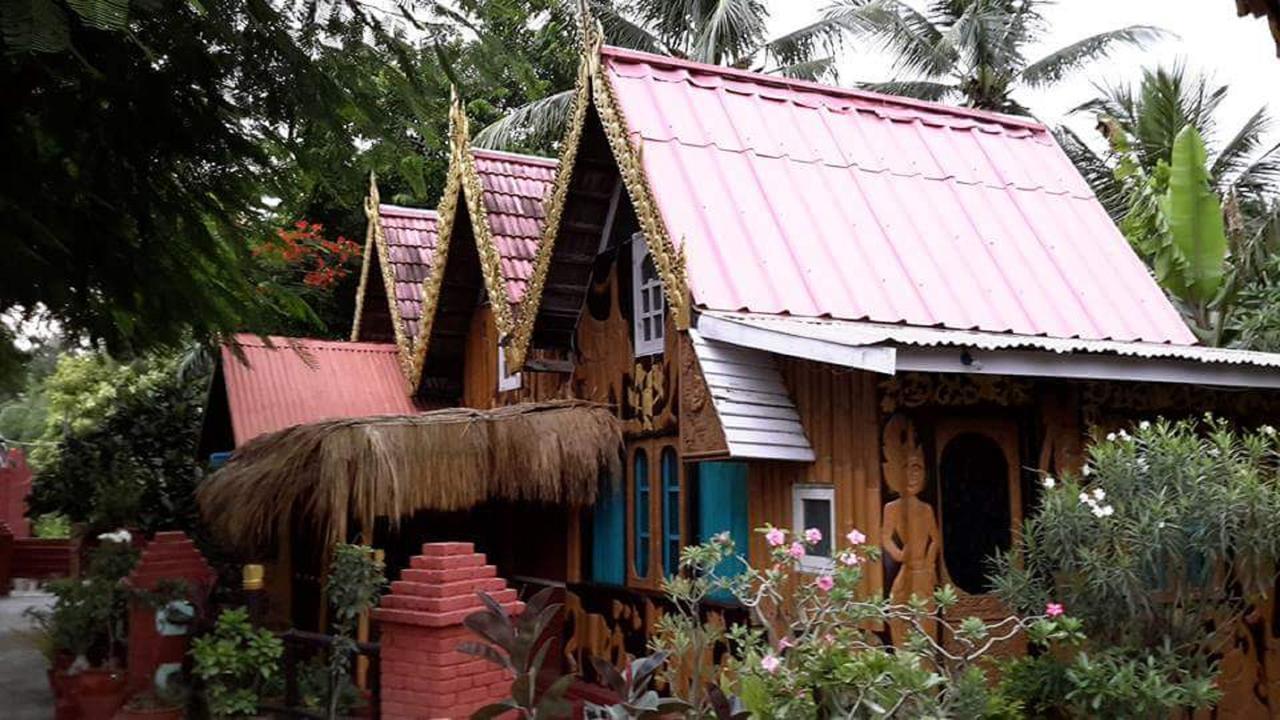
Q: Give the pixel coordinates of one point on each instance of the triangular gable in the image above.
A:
(784, 197)
(502, 194)
(399, 245)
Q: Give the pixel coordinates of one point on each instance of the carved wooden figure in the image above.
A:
(910, 529)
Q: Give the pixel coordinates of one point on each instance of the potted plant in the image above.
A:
(237, 663)
(84, 628)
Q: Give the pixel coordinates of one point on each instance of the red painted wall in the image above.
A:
(15, 485)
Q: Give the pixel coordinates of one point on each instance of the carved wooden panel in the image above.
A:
(701, 435)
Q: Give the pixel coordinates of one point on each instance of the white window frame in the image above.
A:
(653, 345)
(800, 493)
(506, 382)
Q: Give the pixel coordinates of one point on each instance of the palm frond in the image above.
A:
(1057, 65)
(1097, 171)
(1260, 179)
(800, 46)
(102, 14)
(731, 30)
(624, 32)
(918, 45)
(536, 124)
(34, 26)
(1239, 165)
(811, 70)
(918, 89)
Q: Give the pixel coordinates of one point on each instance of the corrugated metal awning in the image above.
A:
(889, 348)
(756, 412)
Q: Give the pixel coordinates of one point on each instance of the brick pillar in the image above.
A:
(423, 674)
(154, 643)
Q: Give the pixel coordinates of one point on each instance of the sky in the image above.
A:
(1239, 52)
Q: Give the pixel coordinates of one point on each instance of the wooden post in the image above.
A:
(362, 636)
(252, 583)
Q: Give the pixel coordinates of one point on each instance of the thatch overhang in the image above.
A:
(360, 469)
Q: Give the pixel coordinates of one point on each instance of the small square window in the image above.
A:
(814, 506)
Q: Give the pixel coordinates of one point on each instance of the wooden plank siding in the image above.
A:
(839, 413)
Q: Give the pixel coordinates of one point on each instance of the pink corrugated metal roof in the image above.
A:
(514, 187)
(796, 198)
(302, 380)
(410, 234)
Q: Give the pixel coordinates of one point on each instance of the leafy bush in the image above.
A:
(1159, 547)
(356, 581)
(52, 526)
(88, 615)
(238, 664)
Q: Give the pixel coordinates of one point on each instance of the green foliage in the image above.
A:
(638, 699)
(1159, 548)
(355, 582)
(120, 444)
(88, 614)
(823, 658)
(52, 526)
(974, 51)
(521, 647)
(237, 663)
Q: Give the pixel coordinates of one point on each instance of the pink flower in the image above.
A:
(825, 583)
(813, 536)
(775, 537)
(1053, 610)
(785, 643)
(850, 558)
(770, 663)
(796, 550)
(855, 537)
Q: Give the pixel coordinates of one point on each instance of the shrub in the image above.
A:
(1159, 547)
(237, 662)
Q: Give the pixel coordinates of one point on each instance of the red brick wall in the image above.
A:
(423, 673)
(168, 556)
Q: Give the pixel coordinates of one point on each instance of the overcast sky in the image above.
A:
(1239, 52)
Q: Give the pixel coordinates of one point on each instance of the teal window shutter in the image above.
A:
(670, 511)
(722, 506)
(640, 474)
(609, 534)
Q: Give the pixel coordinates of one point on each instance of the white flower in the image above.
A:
(1085, 499)
(1102, 512)
(1268, 430)
(1111, 437)
(1099, 494)
(1048, 482)
(1086, 471)
(1144, 425)
(119, 536)
(1124, 435)
(1160, 525)
(1108, 511)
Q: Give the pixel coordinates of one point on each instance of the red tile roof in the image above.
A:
(410, 235)
(795, 198)
(514, 188)
(302, 380)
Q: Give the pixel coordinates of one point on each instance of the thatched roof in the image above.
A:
(395, 465)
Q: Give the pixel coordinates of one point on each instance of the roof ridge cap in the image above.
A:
(518, 157)
(779, 81)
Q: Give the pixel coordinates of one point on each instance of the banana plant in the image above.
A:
(1175, 222)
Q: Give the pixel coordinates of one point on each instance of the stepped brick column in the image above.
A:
(154, 641)
(423, 674)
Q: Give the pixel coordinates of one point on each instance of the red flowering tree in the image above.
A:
(301, 261)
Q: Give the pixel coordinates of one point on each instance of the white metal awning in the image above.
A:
(889, 349)
(757, 414)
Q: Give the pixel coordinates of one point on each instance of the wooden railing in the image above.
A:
(300, 646)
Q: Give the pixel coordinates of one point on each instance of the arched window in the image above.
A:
(976, 510)
(640, 475)
(670, 511)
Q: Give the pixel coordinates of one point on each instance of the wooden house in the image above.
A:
(806, 306)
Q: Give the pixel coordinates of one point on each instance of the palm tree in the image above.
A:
(722, 32)
(973, 51)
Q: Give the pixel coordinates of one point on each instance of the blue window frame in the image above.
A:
(640, 479)
(670, 511)
(609, 533)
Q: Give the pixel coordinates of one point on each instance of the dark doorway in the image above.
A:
(976, 519)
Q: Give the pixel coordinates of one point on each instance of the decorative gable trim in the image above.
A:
(376, 242)
(594, 88)
(463, 181)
